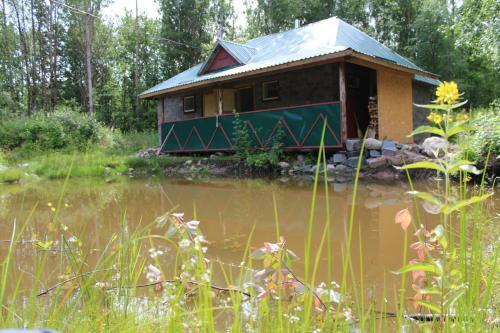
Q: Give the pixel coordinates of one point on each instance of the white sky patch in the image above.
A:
(150, 7)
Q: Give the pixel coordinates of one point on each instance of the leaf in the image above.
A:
(427, 129)
(429, 305)
(464, 203)
(459, 129)
(268, 260)
(421, 266)
(471, 169)
(403, 217)
(444, 107)
(426, 197)
(424, 165)
(430, 291)
(457, 165)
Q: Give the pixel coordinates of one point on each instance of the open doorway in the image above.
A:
(361, 91)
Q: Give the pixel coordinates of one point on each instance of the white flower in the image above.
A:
(185, 243)
(193, 224)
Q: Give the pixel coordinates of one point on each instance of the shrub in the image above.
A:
(475, 146)
(10, 175)
(62, 129)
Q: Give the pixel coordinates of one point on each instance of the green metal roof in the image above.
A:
(313, 40)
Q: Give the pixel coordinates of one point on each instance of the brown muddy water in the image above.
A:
(228, 210)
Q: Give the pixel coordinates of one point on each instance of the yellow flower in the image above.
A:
(430, 117)
(447, 93)
(449, 118)
(462, 117)
(438, 118)
(49, 204)
(52, 209)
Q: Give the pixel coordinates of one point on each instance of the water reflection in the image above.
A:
(228, 211)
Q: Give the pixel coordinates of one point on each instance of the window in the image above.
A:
(270, 90)
(188, 104)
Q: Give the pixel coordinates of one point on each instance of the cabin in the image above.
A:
(292, 82)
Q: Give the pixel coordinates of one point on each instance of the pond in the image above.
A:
(229, 210)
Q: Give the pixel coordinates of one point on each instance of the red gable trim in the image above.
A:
(221, 59)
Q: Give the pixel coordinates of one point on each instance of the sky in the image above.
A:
(150, 7)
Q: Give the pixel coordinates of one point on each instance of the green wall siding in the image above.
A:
(302, 127)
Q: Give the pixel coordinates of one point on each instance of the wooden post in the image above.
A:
(161, 117)
(342, 95)
(220, 100)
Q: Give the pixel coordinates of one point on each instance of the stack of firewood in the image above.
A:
(373, 112)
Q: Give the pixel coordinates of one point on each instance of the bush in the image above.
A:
(62, 129)
(10, 175)
(475, 146)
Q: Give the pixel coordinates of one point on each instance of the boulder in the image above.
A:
(373, 144)
(435, 146)
(353, 144)
(338, 158)
(373, 153)
(284, 165)
(411, 157)
(377, 162)
(396, 160)
(353, 161)
(389, 148)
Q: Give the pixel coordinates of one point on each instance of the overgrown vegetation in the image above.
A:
(476, 146)
(247, 151)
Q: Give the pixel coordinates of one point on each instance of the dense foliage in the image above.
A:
(57, 130)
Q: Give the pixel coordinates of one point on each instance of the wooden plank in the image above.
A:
(343, 97)
(220, 100)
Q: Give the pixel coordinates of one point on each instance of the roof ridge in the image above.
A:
(293, 29)
(235, 43)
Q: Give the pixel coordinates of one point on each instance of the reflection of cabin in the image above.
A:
(295, 80)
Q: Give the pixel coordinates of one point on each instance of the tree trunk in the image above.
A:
(136, 70)
(88, 58)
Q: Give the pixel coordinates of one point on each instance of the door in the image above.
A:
(245, 99)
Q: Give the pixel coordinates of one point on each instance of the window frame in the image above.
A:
(184, 104)
(264, 90)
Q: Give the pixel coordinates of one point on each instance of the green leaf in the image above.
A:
(424, 165)
(464, 203)
(459, 129)
(421, 266)
(456, 165)
(471, 169)
(444, 107)
(428, 129)
(433, 307)
(426, 197)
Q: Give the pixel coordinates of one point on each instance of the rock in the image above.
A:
(389, 148)
(411, 157)
(338, 158)
(385, 175)
(284, 165)
(377, 162)
(373, 144)
(353, 144)
(300, 158)
(188, 162)
(373, 153)
(396, 160)
(353, 161)
(435, 145)
(213, 156)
